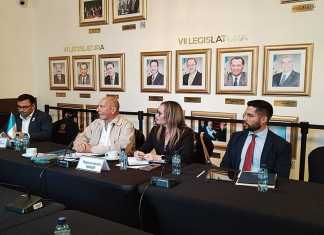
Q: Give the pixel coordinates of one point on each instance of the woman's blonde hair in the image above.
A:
(175, 121)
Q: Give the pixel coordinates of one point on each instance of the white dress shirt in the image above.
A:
(25, 123)
(105, 135)
(260, 139)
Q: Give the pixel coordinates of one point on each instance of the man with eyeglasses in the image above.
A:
(257, 146)
(30, 120)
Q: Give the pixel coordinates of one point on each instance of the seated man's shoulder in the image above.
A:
(277, 139)
(121, 120)
(42, 114)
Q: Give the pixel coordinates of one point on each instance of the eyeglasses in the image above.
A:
(24, 107)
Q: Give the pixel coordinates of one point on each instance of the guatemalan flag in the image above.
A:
(11, 128)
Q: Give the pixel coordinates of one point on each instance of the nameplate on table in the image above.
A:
(235, 101)
(92, 164)
(129, 27)
(3, 142)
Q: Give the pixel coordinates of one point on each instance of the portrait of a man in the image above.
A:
(236, 76)
(92, 9)
(59, 76)
(128, 7)
(286, 76)
(215, 130)
(111, 76)
(192, 76)
(84, 77)
(154, 76)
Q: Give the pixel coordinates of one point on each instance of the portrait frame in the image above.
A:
(122, 13)
(164, 71)
(118, 62)
(291, 135)
(202, 59)
(248, 76)
(298, 58)
(93, 17)
(218, 145)
(90, 82)
(55, 80)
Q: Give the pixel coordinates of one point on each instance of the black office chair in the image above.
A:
(64, 131)
(316, 165)
(139, 139)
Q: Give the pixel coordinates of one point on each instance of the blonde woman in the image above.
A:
(169, 136)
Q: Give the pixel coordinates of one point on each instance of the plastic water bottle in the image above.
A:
(17, 143)
(123, 160)
(62, 228)
(25, 142)
(176, 164)
(263, 180)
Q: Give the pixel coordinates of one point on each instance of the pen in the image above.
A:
(200, 174)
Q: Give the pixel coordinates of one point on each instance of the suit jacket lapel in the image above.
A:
(239, 149)
(266, 148)
(32, 120)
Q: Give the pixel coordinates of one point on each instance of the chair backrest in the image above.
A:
(316, 165)
(64, 131)
(139, 139)
(206, 154)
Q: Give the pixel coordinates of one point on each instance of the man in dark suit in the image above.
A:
(84, 77)
(288, 77)
(156, 78)
(257, 146)
(59, 77)
(236, 77)
(112, 77)
(193, 77)
(30, 120)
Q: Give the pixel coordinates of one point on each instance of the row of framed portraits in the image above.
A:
(95, 12)
(287, 70)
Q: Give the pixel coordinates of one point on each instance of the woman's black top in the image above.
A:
(184, 146)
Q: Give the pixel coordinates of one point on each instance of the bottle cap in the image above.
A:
(61, 220)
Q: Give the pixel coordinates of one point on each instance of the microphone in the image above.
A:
(67, 148)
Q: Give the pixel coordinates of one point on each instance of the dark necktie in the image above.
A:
(235, 81)
(249, 155)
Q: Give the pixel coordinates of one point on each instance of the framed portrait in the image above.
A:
(290, 134)
(156, 71)
(193, 71)
(59, 72)
(93, 12)
(112, 72)
(128, 10)
(237, 70)
(218, 132)
(84, 72)
(288, 69)
(78, 117)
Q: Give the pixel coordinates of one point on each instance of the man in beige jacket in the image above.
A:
(110, 132)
